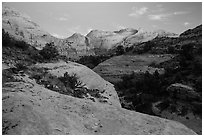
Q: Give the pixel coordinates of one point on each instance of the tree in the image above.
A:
(187, 51)
(148, 46)
(49, 51)
(171, 50)
(120, 50)
(6, 40)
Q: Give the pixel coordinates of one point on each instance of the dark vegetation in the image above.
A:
(49, 51)
(22, 56)
(68, 84)
(141, 90)
(19, 52)
(138, 91)
(92, 61)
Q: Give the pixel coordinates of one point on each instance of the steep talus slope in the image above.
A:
(30, 108)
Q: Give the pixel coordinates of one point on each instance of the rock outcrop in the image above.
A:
(79, 44)
(107, 39)
(21, 27)
(183, 92)
(88, 77)
(30, 108)
(144, 36)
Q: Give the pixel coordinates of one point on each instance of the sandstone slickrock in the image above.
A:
(144, 36)
(91, 79)
(29, 108)
(21, 27)
(79, 44)
(107, 39)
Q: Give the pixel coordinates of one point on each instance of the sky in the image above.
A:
(62, 19)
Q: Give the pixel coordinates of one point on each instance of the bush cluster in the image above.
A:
(23, 53)
(49, 51)
(92, 61)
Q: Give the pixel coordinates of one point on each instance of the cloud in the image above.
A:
(159, 17)
(164, 16)
(136, 12)
(62, 19)
(186, 23)
(180, 12)
(159, 8)
(58, 36)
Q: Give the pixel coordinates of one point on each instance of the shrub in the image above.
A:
(171, 50)
(21, 66)
(6, 40)
(22, 44)
(148, 46)
(92, 61)
(120, 50)
(187, 51)
(49, 51)
(71, 81)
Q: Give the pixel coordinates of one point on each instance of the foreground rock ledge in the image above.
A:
(29, 108)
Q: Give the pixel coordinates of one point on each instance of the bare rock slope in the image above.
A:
(30, 108)
(21, 27)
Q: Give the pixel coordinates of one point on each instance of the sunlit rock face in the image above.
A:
(31, 109)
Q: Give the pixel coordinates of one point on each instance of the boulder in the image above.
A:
(183, 92)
